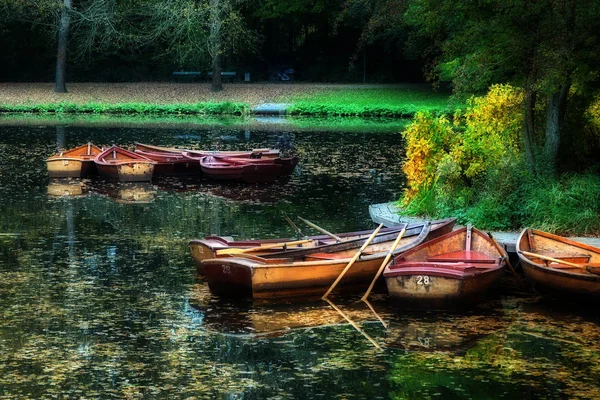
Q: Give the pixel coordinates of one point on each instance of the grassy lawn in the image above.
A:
(161, 98)
(400, 101)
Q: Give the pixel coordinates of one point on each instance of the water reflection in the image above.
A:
(99, 299)
(66, 188)
(408, 330)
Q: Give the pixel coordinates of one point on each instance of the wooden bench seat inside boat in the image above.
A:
(463, 256)
(325, 256)
(578, 258)
(440, 264)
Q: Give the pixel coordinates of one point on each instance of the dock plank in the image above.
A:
(388, 214)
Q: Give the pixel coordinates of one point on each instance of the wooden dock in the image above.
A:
(388, 214)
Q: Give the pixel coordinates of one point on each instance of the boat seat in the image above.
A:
(325, 256)
(463, 256)
(439, 264)
(571, 257)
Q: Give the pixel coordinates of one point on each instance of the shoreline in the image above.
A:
(164, 98)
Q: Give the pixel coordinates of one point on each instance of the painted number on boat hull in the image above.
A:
(424, 280)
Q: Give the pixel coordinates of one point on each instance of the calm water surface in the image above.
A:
(99, 298)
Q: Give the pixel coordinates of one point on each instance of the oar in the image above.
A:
(353, 324)
(331, 235)
(385, 324)
(385, 261)
(294, 226)
(504, 254)
(358, 254)
(556, 260)
(236, 250)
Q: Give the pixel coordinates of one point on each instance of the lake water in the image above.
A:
(99, 297)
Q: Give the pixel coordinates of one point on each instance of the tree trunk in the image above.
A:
(215, 41)
(61, 56)
(555, 115)
(217, 82)
(529, 128)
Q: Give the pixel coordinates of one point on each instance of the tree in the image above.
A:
(83, 25)
(200, 32)
(61, 52)
(548, 47)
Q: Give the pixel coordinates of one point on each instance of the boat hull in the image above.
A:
(455, 269)
(74, 163)
(216, 169)
(427, 288)
(66, 167)
(127, 172)
(276, 278)
(227, 276)
(553, 281)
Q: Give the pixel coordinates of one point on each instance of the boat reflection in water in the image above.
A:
(443, 331)
(383, 326)
(263, 193)
(127, 192)
(66, 188)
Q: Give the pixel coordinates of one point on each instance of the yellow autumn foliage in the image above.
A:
(442, 154)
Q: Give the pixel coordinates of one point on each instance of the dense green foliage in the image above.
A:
(404, 102)
(545, 47)
(474, 168)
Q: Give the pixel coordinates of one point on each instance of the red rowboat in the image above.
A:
(288, 164)
(124, 165)
(254, 153)
(455, 268)
(310, 272)
(225, 169)
(171, 163)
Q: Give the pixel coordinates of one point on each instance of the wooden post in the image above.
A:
(504, 254)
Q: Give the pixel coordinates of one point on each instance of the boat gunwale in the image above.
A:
(257, 262)
(100, 159)
(391, 270)
(554, 271)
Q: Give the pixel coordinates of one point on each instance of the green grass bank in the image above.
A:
(392, 101)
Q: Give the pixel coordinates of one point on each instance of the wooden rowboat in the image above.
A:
(171, 163)
(76, 162)
(309, 272)
(124, 165)
(288, 164)
(456, 268)
(254, 153)
(221, 246)
(559, 266)
(226, 169)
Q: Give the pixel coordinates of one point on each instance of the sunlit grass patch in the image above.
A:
(386, 102)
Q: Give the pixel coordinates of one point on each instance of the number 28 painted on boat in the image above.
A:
(424, 280)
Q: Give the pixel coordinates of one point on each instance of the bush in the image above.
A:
(445, 158)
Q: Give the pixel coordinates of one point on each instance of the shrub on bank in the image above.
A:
(208, 108)
(472, 168)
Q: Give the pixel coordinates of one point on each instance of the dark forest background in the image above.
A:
(322, 41)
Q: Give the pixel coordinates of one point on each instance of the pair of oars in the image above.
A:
(359, 253)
